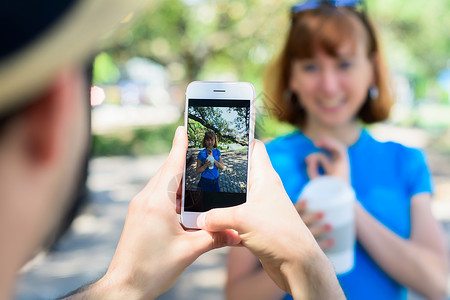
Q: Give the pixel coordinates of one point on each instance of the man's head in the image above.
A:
(44, 115)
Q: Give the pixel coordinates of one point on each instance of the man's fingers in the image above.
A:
(220, 219)
(172, 170)
(260, 159)
(224, 238)
(179, 195)
(178, 205)
(202, 241)
(261, 169)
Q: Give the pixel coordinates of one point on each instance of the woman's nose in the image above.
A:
(329, 82)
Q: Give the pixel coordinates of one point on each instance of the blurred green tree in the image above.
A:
(416, 37)
(105, 70)
(227, 130)
(201, 40)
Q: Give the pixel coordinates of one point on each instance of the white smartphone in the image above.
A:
(219, 118)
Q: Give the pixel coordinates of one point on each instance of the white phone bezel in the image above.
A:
(217, 90)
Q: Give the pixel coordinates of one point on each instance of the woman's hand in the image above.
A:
(219, 163)
(335, 165)
(201, 168)
(312, 221)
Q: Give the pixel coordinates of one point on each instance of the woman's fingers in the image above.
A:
(336, 148)
(336, 163)
(326, 244)
(316, 160)
(319, 230)
(309, 218)
(312, 220)
(300, 206)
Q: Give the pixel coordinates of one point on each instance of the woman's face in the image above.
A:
(209, 142)
(333, 89)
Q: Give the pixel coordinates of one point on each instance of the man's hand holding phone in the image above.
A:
(270, 227)
(154, 248)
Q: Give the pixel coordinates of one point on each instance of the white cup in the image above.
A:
(335, 198)
(211, 160)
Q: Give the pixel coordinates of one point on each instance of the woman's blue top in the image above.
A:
(384, 175)
(209, 173)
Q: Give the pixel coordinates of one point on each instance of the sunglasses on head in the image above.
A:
(313, 4)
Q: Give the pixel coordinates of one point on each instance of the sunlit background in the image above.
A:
(138, 101)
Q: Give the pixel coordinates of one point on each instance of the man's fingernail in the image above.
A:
(201, 220)
(178, 131)
(231, 241)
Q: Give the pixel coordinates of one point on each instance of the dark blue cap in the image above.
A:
(23, 21)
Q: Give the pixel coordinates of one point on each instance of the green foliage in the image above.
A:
(230, 124)
(135, 142)
(416, 38)
(267, 128)
(105, 70)
(206, 40)
(196, 132)
(433, 116)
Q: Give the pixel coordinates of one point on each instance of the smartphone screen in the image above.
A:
(217, 156)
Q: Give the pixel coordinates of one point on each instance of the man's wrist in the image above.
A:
(106, 287)
(314, 279)
(97, 290)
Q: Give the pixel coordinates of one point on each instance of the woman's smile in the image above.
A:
(331, 106)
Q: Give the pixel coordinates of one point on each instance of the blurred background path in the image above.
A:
(84, 253)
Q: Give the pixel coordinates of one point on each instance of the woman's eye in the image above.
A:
(309, 67)
(344, 65)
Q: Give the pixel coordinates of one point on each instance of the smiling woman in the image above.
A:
(209, 162)
(349, 40)
(328, 80)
